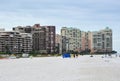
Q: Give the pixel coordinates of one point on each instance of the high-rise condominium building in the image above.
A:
(39, 39)
(76, 40)
(71, 39)
(50, 38)
(58, 44)
(101, 41)
(10, 42)
(43, 37)
(26, 42)
(86, 41)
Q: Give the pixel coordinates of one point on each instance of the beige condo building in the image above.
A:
(71, 39)
(58, 44)
(101, 41)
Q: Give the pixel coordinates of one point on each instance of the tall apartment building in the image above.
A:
(58, 44)
(50, 38)
(10, 42)
(86, 41)
(39, 39)
(101, 41)
(43, 37)
(26, 42)
(76, 40)
(71, 39)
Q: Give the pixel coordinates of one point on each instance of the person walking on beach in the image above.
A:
(76, 55)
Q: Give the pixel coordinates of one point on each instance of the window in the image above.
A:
(107, 40)
(99, 44)
(103, 37)
(95, 40)
(99, 40)
(108, 45)
(73, 34)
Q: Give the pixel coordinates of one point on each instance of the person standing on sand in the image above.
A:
(76, 55)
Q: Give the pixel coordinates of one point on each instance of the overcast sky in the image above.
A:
(86, 15)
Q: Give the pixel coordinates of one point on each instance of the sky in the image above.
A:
(87, 15)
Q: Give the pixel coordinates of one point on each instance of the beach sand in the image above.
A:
(83, 68)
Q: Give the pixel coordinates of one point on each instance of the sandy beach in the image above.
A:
(83, 68)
